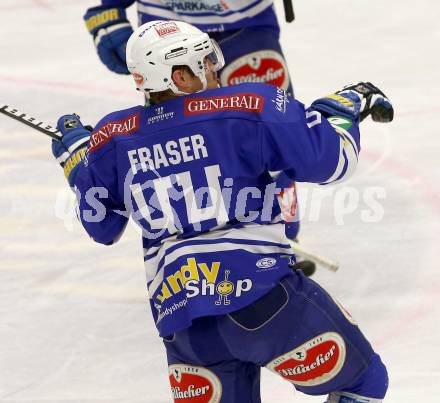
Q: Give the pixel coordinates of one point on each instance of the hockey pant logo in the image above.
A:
(313, 363)
(194, 384)
(264, 66)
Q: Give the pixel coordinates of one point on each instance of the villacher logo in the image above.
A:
(313, 363)
(236, 102)
(194, 384)
(267, 66)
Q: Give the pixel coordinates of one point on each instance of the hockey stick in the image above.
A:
(30, 121)
(320, 260)
(288, 10)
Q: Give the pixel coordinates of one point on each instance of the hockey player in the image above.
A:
(248, 34)
(194, 171)
(247, 31)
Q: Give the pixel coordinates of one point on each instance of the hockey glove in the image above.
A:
(111, 30)
(356, 102)
(71, 150)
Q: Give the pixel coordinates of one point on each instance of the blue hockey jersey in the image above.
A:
(207, 15)
(198, 174)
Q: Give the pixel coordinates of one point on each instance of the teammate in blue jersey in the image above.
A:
(196, 170)
(247, 31)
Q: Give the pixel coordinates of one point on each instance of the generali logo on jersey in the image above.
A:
(194, 384)
(267, 66)
(237, 102)
(313, 363)
(104, 134)
(166, 28)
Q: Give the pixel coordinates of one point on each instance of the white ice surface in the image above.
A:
(74, 323)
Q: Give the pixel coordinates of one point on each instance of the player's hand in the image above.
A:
(71, 150)
(111, 30)
(356, 102)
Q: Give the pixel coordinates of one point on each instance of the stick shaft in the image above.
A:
(288, 10)
(35, 123)
(307, 254)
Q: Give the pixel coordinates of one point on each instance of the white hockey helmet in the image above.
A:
(155, 47)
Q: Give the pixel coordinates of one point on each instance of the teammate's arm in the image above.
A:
(110, 28)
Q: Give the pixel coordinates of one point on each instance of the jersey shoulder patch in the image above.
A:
(120, 123)
(239, 102)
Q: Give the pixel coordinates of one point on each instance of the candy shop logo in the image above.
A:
(237, 102)
(104, 134)
(199, 279)
(169, 310)
(194, 384)
(223, 289)
(313, 363)
(266, 66)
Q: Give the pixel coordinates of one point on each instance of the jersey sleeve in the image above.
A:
(308, 147)
(101, 207)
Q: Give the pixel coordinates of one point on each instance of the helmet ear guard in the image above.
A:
(155, 47)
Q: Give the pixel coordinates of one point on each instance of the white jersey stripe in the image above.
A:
(253, 233)
(63, 157)
(218, 247)
(206, 19)
(348, 152)
(152, 249)
(76, 144)
(348, 136)
(339, 167)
